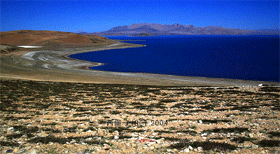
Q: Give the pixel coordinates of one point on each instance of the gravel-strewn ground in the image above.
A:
(57, 117)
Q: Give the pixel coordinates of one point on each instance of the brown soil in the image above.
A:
(48, 38)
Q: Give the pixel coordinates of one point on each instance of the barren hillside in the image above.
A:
(49, 38)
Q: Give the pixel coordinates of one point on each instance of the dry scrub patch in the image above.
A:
(56, 117)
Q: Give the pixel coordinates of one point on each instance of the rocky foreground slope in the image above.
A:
(56, 117)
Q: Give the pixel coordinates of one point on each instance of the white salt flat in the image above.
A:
(29, 46)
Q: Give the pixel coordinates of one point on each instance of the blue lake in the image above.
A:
(234, 57)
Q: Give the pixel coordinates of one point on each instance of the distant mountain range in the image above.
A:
(147, 29)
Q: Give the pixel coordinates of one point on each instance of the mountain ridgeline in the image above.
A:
(147, 29)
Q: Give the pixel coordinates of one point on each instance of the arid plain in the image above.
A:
(53, 104)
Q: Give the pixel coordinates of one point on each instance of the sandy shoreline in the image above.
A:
(51, 65)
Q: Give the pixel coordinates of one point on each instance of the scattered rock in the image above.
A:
(204, 134)
(33, 151)
(200, 149)
(187, 150)
(255, 146)
(259, 123)
(106, 147)
(251, 135)
(73, 141)
(11, 129)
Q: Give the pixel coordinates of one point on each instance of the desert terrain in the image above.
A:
(49, 39)
(63, 117)
(53, 104)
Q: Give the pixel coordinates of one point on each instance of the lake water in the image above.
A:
(234, 57)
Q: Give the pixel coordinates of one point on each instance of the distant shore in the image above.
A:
(51, 65)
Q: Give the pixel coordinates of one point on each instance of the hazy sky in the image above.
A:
(101, 15)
